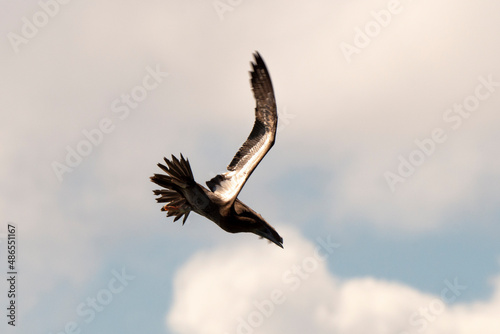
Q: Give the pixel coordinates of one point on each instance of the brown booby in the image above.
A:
(220, 202)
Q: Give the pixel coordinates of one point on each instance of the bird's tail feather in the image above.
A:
(179, 176)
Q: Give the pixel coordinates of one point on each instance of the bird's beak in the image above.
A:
(278, 243)
(273, 237)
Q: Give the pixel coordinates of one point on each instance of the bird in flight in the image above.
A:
(219, 203)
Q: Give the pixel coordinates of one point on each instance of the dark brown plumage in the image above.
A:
(219, 203)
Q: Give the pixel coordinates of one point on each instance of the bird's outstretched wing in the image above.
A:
(228, 185)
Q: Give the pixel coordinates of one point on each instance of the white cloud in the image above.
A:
(253, 287)
(353, 119)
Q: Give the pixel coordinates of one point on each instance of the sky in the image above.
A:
(383, 182)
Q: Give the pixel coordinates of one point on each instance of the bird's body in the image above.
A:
(219, 203)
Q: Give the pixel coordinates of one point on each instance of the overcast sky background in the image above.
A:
(347, 120)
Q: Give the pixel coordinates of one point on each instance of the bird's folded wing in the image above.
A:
(228, 185)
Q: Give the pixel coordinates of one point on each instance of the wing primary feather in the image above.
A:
(260, 140)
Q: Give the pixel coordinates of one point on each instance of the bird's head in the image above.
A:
(247, 220)
(268, 232)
